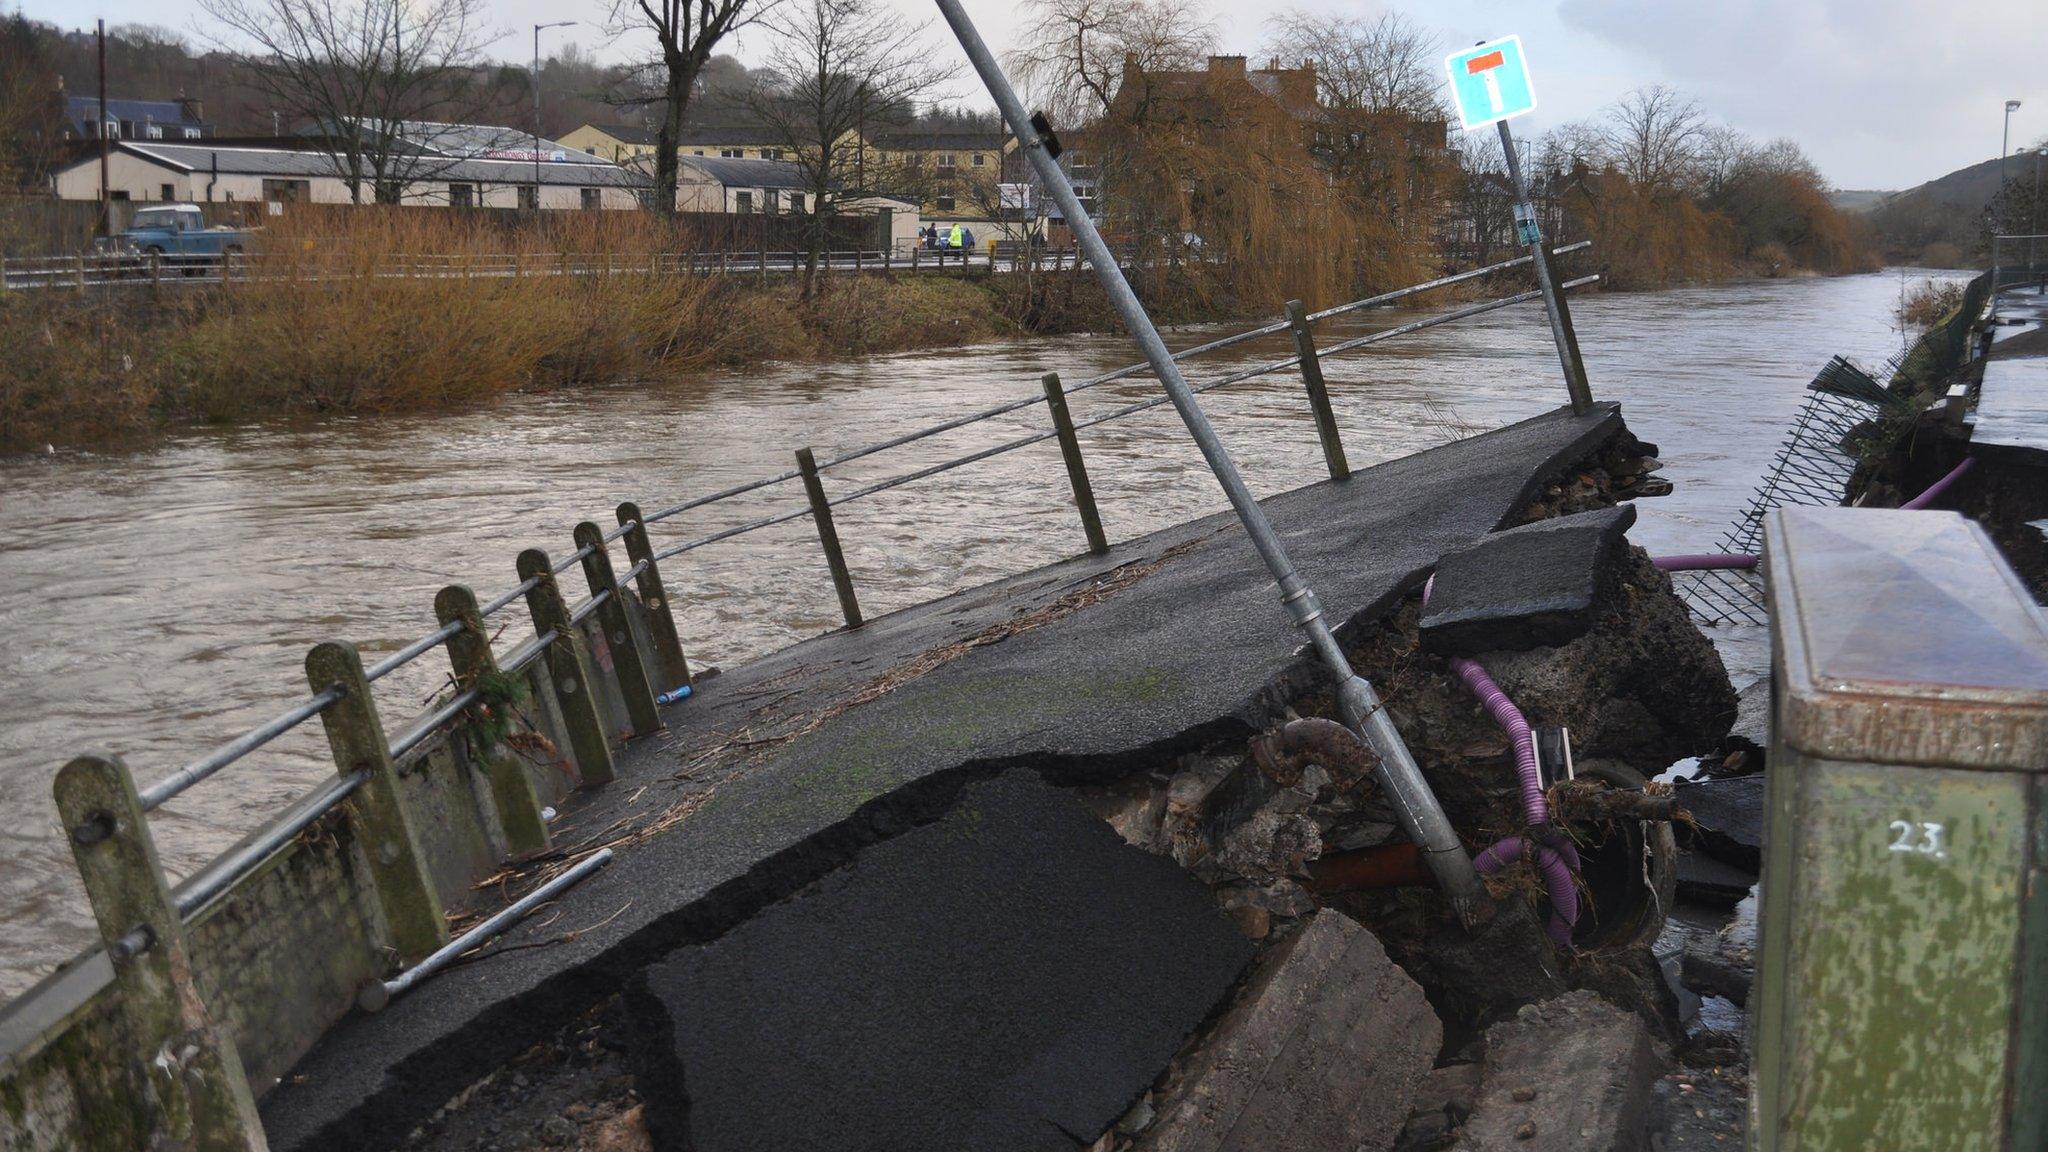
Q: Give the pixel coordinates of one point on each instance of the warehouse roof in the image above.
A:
(302, 164)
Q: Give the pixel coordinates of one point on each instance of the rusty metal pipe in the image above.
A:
(1396, 865)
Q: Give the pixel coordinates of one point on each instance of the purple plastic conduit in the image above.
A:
(1939, 486)
(1704, 560)
(1558, 875)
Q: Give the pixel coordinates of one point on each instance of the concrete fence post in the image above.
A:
(512, 792)
(412, 905)
(569, 669)
(668, 644)
(629, 662)
(1077, 468)
(1318, 393)
(828, 536)
(81, 271)
(200, 1091)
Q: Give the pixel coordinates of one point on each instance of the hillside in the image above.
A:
(1941, 222)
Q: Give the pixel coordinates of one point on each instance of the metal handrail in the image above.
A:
(410, 652)
(223, 871)
(154, 796)
(525, 586)
(581, 612)
(417, 733)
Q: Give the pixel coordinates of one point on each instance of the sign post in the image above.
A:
(1490, 85)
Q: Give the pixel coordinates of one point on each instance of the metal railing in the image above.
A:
(95, 269)
(365, 753)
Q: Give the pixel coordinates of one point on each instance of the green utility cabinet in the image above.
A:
(1902, 973)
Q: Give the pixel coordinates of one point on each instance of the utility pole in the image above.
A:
(536, 104)
(106, 200)
(1400, 779)
(2004, 144)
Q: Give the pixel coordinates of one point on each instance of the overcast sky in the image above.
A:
(1881, 93)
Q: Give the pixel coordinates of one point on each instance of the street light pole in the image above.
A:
(1401, 780)
(2004, 144)
(536, 104)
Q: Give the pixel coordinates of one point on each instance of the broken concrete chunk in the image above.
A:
(1727, 820)
(1009, 976)
(1573, 1074)
(1323, 1050)
(1535, 586)
(1705, 880)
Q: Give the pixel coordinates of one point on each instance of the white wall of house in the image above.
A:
(134, 177)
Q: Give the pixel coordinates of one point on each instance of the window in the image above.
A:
(771, 153)
(296, 191)
(948, 160)
(699, 152)
(459, 195)
(943, 203)
(191, 133)
(529, 196)
(771, 201)
(593, 198)
(980, 161)
(153, 131)
(743, 202)
(732, 153)
(796, 203)
(170, 192)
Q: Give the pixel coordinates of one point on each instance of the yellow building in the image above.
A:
(958, 174)
(621, 143)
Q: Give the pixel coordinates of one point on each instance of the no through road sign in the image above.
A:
(1490, 83)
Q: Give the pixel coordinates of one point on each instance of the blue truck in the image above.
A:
(177, 233)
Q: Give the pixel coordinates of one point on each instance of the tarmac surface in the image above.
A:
(776, 773)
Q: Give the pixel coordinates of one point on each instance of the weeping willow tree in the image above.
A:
(1221, 178)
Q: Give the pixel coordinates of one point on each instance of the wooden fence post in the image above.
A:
(412, 904)
(629, 663)
(512, 790)
(201, 1092)
(1318, 394)
(1077, 468)
(828, 536)
(569, 667)
(661, 618)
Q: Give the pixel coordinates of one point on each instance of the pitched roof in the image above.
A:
(81, 110)
(726, 134)
(627, 133)
(750, 173)
(947, 140)
(294, 164)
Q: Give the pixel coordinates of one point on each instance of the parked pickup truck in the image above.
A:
(179, 230)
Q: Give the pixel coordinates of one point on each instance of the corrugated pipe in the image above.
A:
(1704, 560)
(1935, 489)
(1558, 877)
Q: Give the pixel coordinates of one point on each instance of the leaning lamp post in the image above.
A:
(1400, 779)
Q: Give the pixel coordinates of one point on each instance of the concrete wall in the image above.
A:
(279, 957)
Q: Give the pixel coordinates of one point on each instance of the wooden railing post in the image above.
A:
(201, 1091)
(661, 618)
(1318, 393)
(629, 662)
(569, 668)
(828, 536)
(412, 905)
(512, 790)
(1077, 468)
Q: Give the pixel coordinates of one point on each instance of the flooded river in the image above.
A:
(161, 601)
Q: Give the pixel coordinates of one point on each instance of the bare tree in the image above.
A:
(359, 72)
(685, 34)
(31, 121)
(1071, 55)
(843, 65)
(1384, 65)
(1655, 136)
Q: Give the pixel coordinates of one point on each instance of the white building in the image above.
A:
(777, 188)
(208, 173)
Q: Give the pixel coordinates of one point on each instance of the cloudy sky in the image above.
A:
(1881, 93)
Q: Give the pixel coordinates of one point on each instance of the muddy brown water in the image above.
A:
(158, 602)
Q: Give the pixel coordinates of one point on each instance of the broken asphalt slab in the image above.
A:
(1012, 975)
(777, 772)
(1727, 820)
(1535, 586)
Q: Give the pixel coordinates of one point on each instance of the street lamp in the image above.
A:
(2004, 142)
(536, 104)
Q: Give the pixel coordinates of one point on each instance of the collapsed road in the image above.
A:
(1091, 673)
